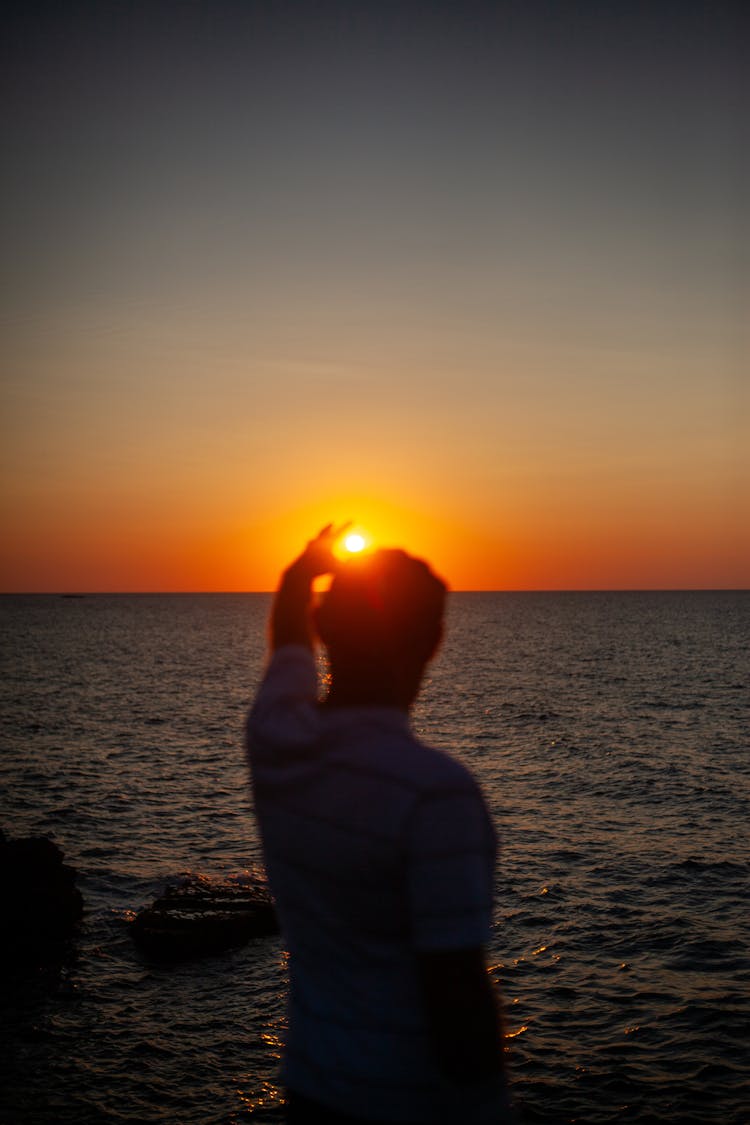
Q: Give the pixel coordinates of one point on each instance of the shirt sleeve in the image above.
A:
(284, 716)
(451, 857)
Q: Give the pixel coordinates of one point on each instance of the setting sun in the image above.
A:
(354, 543)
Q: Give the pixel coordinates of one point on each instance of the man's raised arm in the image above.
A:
(290, 616)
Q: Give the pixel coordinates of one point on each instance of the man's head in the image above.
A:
(382, 617)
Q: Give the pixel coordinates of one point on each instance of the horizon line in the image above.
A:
(451, 590)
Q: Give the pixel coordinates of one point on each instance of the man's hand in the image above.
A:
(318, 557)
(464, 1023)
(290, 617)
(463, 1013)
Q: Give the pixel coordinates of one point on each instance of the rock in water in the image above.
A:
(202, 915)
(41, 904)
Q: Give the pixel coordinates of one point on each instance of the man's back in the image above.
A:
(376, 846)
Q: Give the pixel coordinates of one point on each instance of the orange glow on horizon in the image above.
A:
(215, 541)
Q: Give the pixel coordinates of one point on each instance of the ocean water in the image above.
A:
(611, 736)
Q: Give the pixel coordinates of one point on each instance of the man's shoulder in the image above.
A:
(442, 775)
(440, 769)
(402, 755)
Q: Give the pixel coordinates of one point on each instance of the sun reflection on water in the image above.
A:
(265, 1096)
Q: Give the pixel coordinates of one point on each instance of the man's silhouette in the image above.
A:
(380, 855)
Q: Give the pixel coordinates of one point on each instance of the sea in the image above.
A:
(610, 733)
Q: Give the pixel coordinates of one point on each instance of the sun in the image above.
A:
(351, 542)
(354, 543)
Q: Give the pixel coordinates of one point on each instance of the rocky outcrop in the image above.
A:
(201, 916)
(40, 902)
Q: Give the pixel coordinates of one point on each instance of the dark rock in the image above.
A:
(201, 916)
(41, 904)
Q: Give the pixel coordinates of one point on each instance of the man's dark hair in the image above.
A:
(380, 605)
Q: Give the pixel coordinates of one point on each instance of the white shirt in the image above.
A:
(376, 847)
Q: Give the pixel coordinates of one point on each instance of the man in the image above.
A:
(380, 856)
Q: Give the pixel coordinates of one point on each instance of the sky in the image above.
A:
(473, 275)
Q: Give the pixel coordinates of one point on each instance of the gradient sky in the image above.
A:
(475, 275)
